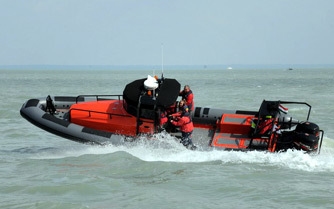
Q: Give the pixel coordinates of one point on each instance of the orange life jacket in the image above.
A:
(185, 123)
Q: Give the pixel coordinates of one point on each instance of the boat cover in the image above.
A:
(167, 92)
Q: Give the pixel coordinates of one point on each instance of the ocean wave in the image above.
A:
(165, 148)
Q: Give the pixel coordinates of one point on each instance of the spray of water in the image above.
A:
(165, 148)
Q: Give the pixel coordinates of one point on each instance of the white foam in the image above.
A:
(166, 148)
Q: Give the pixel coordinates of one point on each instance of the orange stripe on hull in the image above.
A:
(108, 116)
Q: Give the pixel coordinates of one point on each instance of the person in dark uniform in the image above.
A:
(50, 108)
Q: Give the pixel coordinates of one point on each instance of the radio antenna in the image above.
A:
(162, 61)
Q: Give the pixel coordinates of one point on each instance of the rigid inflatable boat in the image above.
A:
(106, 119)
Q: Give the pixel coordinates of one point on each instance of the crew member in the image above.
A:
(49, 105)
(188, 95)
(186, 127)
(182, 108)
(163, 120)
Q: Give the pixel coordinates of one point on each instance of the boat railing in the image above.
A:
(110, 115)
(99, 97)
(320, 141)
(261, 114)
(301, 103)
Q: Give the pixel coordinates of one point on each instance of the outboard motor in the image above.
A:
(308, 127)
(287, 122)
(306, 136)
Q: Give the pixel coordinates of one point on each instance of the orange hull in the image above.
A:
(108, 116)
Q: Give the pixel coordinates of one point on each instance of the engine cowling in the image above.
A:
(305, 141)
(304, 137)
(307, 136)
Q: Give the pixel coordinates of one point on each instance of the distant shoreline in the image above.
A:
(166, 67)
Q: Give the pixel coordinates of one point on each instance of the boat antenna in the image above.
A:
(162, 61)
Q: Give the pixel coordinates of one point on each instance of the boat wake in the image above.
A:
(166, 148)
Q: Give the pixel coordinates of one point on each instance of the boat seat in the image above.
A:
(236, 124)
(233, 131)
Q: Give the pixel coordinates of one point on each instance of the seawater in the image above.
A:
(41, 170)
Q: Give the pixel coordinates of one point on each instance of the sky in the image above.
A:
(175, 32)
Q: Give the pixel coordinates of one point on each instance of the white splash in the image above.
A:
(166, 148)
